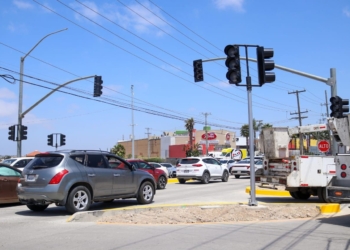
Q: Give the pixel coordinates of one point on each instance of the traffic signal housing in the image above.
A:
(62, 140)
(198, 70)
(265, 65)
(233, 64)
(23, 132)
(98, 86)
(12, 132)
(50, 140)
(339, 106)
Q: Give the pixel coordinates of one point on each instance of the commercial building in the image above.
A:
(171, 144)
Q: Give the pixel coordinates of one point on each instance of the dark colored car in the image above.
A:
(9, 177)
(159, 175)
(76, 178)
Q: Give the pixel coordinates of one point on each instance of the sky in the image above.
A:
(144, 50)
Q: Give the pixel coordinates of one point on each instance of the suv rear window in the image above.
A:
(189, 161)
(45, 161)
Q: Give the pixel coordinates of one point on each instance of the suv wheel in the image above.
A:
(205, 178)
(182, 181)
(161, 182)
(79, 199)
(146, 193)
(37, 208)
(224, 177)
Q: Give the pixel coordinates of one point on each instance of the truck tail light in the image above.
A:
(343, 167)
(271, 166)
(58, 177)
(257, 178)
(343, 174)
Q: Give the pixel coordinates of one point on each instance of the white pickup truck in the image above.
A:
(301, 175)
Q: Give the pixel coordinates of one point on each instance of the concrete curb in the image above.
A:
(269, 192)
(324, 208)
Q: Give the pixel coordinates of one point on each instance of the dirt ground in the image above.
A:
(205, 214)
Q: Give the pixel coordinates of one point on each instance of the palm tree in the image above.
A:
(189, 125)
(256, 127)
(245, 133)
(266, 125)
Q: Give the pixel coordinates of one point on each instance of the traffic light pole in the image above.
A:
(50, 93)
(331, 81)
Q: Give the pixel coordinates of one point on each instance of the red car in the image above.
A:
(158, 174)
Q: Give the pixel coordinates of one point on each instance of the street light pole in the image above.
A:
(20, 97)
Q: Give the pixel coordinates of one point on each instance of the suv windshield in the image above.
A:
(45, 161)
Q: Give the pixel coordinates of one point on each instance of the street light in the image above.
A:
(20, 98)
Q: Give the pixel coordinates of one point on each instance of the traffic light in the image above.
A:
(98, 86)
(23, 132)
(12, 132)
(198, 70)
(62, 140)
(50, 140)
(233, 64)
(265, 65)
(339, 106)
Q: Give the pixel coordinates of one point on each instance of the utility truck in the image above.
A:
(338, 190)
(283, 169)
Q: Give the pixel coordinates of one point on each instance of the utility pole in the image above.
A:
(148, 149)
(206, 132)
(132, 123)
(329, 131)
(301, 144)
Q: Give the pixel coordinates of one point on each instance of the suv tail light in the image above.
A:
(178, 165)
(197, 165)
(58, 177)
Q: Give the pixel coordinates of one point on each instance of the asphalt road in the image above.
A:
(23, 229)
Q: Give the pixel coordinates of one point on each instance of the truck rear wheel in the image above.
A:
(321, 193)
(302, 196)
(293, 194)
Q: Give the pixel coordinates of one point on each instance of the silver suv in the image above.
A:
(76, 178)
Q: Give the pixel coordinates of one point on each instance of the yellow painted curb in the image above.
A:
(329, 208)
(269, 192)
(175, 180)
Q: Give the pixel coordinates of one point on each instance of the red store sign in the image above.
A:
(211, 136)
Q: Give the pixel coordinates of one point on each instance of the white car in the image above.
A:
(225, 163)
(157, 165)
(19, 162)
(242, 168)
(203, 169)
(171, 169)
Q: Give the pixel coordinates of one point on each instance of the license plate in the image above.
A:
(187, 171)
(238, 172)
(31, 177)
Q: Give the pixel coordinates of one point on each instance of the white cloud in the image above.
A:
(22, 4)
(8, 109)
(235, 4)
(86, 11)
(7, 94)
(346, 12)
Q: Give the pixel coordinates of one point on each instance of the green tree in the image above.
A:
(189, 125)
(245, 133)
(119, 150)
(266, 125)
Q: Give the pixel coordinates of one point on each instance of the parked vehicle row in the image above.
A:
(77, 178)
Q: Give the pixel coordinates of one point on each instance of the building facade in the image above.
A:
(171, 144)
